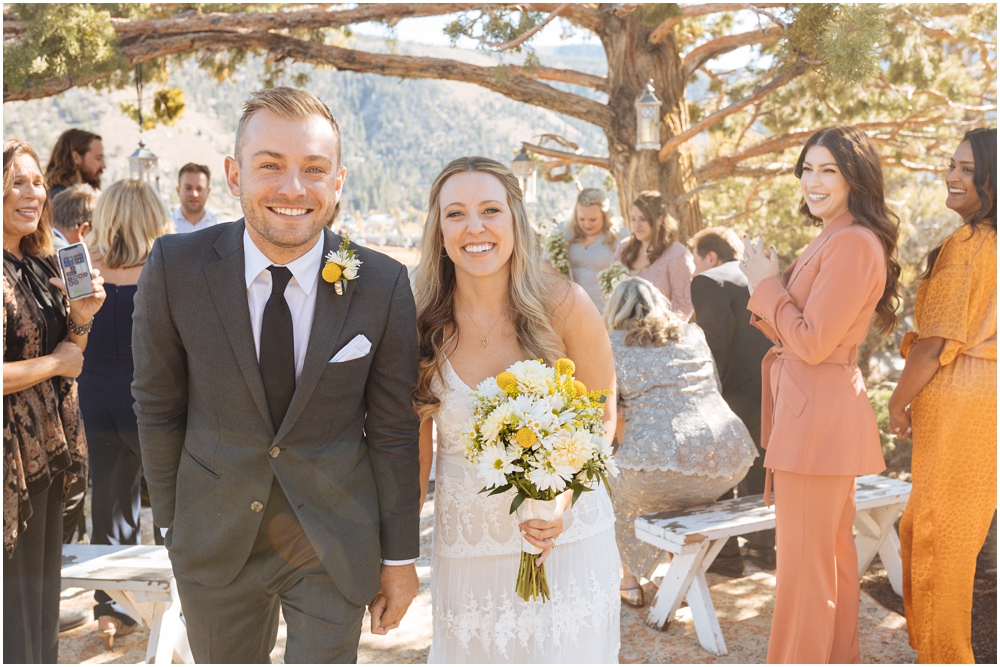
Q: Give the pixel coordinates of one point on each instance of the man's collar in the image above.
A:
(305, 269)
(179, 215)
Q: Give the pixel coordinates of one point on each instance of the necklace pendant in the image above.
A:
(485, 342)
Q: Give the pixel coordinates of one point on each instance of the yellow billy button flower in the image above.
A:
(581, 388)
(565, 367)
(331, 272)
(507, 382)
(525, 437)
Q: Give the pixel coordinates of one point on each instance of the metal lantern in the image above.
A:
(647, 119)
(523, 167)
(144, 166)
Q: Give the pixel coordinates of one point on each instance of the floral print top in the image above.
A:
(43, 432)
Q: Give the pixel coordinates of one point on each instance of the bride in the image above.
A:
(483, 304)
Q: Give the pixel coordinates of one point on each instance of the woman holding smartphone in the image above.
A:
(817, 423)
(128, 217)
(44, 446)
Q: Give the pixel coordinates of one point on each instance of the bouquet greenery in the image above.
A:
(610, 277)
(537, 431)
(557, 250)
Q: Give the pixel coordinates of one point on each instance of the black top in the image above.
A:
(720, 296)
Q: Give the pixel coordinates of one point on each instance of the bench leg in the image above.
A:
(706, 621)
(674, 587)
(877, 535)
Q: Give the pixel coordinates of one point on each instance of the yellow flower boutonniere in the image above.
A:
(341, 266)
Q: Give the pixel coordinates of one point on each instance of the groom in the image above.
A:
(278, 437)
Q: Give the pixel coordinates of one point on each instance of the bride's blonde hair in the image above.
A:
(530, 298)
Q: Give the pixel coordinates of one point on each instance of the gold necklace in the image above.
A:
(485, 340)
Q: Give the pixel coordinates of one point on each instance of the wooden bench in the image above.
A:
(141, 580)
(694, 537)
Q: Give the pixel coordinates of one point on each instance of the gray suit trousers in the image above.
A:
(238, 622)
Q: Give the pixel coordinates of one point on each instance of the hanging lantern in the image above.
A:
(647, 119)
(523, 167)
(143, 165)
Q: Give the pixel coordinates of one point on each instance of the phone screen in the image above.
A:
(74, 264)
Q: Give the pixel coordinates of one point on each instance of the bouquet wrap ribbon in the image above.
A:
(534, 509)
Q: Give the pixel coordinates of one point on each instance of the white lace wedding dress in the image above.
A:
(478, 617)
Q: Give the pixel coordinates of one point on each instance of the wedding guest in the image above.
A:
(817, 423)
(591, 239)
(44, 446)
(680, 444)
(719, 293)
(129, 216)
(653, 252)
(77, 157)
(949, 391)
(193, 187)
(72, 210)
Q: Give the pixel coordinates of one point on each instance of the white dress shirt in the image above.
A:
(300, 294)
(182, 226)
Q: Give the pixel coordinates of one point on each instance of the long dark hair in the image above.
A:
(859, 162)
(983, 141)
(664, 227)
(61, 169)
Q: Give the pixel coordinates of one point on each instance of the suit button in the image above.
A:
(273, 452)
(256, 506)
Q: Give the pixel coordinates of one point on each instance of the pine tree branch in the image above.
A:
(716, 47)
(689, 11)
(514, 85)
(581, 15)
(761, 91)
(603, 162)
(514, 43)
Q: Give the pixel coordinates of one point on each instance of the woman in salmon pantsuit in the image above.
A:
(817, 423)
(949, 391)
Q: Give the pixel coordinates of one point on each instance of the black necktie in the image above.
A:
(277, 347)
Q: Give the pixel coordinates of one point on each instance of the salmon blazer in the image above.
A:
(816, 418)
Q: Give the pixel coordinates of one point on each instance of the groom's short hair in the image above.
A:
(288, 103)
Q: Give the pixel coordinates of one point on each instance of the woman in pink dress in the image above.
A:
(652, 252)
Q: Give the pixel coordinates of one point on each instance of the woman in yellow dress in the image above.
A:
(947, 399)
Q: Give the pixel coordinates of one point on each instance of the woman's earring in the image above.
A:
(444, 252)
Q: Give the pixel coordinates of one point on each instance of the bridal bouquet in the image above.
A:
(610, 277)
(537, 431)
(557, 250)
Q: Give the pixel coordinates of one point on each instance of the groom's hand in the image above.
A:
(399, 587)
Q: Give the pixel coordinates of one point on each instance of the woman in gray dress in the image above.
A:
(591, 240)
(681, 445)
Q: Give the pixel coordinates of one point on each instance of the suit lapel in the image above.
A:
(227, 283)
(841, 222)
(328, 321)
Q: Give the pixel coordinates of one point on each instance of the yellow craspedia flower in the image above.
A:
(507, 382)
(332, 272)
(525, 437)
(580, 388)
(565, 367)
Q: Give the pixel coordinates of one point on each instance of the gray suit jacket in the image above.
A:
(348, 453)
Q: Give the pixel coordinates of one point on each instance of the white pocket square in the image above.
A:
(357, 348)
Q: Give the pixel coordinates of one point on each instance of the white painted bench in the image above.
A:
(694, 537)
(140, 579)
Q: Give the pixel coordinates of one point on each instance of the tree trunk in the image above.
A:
(632, 62)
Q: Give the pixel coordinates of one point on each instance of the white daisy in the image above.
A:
(494, 464)
(532, 376)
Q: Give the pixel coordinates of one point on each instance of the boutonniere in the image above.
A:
(341, 266)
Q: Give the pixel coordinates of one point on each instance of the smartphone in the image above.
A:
(77, 274)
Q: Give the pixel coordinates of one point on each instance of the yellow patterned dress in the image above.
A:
(954, 447)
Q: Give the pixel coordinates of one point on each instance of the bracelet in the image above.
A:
(77, 330)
